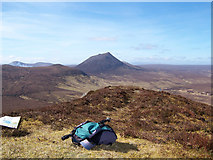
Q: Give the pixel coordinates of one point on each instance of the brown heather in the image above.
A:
(158, 117)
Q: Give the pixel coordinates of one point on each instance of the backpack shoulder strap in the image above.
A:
(95, 132)
(99, 129)
(81, 124)
(73, 131)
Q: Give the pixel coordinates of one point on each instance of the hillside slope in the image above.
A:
(31, 80)
(104, 63)
(158, 118)
(23, 86)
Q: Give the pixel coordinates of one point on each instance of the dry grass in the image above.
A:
(43, 142)
(149, 124)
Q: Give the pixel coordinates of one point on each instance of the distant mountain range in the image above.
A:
(26, 85)
(38, 64)
(104, 63)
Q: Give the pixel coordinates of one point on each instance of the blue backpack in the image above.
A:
(88, 134)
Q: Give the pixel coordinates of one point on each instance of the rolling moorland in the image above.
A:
(33, 87)
(157, 111)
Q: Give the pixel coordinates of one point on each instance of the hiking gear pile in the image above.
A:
(88, 134)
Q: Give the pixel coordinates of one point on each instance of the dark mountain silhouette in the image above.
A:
(104, 63)
(21, 64)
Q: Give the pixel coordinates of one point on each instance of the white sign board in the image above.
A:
(11, 122)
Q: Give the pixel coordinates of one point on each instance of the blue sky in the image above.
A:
(138, 33)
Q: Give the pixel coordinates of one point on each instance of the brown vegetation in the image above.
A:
(31, 87)
(34, 79)
(37, 84)
(156, 116)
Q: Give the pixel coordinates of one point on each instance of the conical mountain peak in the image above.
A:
(100, 63)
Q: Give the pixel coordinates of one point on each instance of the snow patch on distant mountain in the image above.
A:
(21, 64)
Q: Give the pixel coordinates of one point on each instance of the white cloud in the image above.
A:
(181, 60)
(151, 47)
(66, 43)
(103, 38)
(145, 46)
